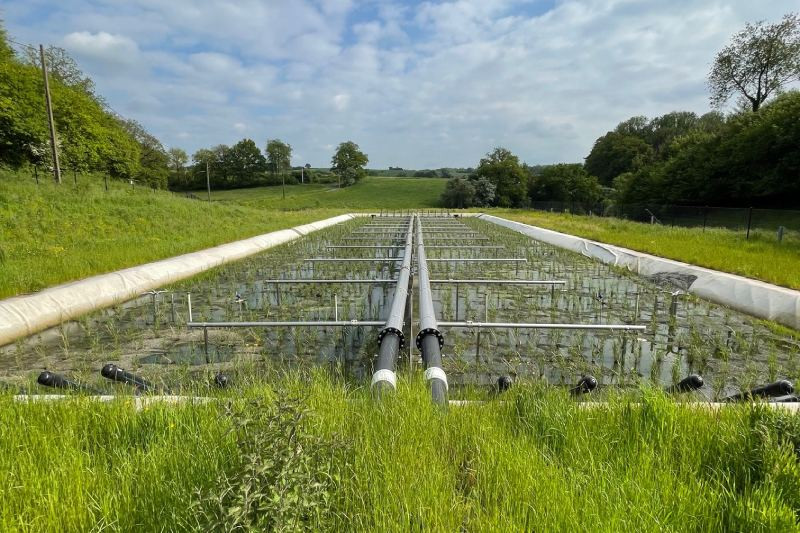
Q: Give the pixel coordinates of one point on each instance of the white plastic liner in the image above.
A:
(757, 298)
(21, 316)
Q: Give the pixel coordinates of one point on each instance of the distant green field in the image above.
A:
(371, 193)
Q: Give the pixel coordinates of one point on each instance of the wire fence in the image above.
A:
(746, 220)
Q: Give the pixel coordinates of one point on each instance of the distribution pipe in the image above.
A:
(429, 339)
(391, 337)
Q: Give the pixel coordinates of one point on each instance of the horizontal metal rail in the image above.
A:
(354, 259)
(496, 281)
(454, 247)
(368, 246)
(288, 324)
(480, 260)
(326, 281)
(526, 325)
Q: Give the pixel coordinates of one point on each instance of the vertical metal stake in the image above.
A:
(189, 301)
(457, 286)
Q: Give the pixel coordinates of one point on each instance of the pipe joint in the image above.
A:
(389, 330)
(429, 331)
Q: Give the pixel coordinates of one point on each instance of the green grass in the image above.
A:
(371, 193)
(51, 234)
(760, 257)
(340, 462)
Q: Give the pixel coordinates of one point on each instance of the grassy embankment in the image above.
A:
(52, 234)
(342, 463)
(760, 257)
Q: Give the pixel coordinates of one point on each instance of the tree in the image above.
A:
(504, 171)
(246, 163)
(565, 183)
(348, 163)
(153, 159)
(758, 62)
(62, 67)
(279, 159)
(6, 52)
(177, 159)
(485, 191)
(615, 153)
(458, 193)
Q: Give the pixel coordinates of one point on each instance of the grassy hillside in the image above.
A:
(51, 234)
(336, 461)
(371, 193)
(760, 257)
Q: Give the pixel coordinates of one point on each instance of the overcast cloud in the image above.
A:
(416, 84)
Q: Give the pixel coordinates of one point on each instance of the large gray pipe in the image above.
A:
(429, 339)
(391, 337)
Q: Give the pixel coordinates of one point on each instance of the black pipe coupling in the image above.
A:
(586, 384)
(395, 331)
(429, 331)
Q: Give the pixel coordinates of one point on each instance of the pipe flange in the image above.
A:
(388, 330)
(429, 331)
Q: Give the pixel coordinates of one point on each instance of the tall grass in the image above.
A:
(760, 257)
(532, 460)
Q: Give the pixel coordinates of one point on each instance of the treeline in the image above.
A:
(400, 172)
(245, 165)
(744, 159)
(91, 137)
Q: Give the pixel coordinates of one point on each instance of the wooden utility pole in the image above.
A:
(208, 180)
(53, 147)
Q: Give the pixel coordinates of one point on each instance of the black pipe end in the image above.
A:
(504, 383)
(782, 387)
(110, 371)
(48, 379)
(221, 380)
(688, 384)
(586, 384)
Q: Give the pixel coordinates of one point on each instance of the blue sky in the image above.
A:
(416, 84)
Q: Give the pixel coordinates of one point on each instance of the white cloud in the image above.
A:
(428, 85)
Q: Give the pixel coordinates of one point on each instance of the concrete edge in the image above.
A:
(21, 316)
(756, 298)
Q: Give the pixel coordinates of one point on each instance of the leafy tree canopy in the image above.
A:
(760, 60)
(503, 169)
(348, 163)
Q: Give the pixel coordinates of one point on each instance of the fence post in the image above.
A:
(705, 217)
(749, 221)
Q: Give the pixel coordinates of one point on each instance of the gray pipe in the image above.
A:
(429, 339)
(391, 337)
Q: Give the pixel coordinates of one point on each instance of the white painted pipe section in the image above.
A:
(21, 316)
(757, 298)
